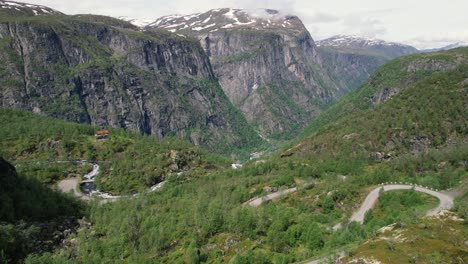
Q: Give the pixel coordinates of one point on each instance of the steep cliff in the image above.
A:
(266, 62)
(104, 71)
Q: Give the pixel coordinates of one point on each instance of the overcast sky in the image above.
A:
(421, 23)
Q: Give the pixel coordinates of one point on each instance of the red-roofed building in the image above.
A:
(102, 134)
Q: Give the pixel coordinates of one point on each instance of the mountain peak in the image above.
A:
(225, 19)
(26, 9)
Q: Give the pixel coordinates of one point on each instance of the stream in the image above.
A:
(88, 188)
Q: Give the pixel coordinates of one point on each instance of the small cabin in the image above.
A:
(102, 134)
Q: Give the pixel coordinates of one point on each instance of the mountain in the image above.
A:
(377, 47)
(349, 60)
(266, 62)
(106, 72)
(451, 46)
(227, 18)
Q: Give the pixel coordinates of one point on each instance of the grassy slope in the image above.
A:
(424, 242)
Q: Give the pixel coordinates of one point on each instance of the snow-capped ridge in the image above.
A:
(353, 40)
(448, 47)
(226, 18)
(26, 8)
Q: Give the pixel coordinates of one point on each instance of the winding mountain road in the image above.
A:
(446, 201)
(259, 201)
(256, 202)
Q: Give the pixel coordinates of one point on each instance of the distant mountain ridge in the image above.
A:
(451, 46)
(355, 40)
(351, 59)
(367, 45)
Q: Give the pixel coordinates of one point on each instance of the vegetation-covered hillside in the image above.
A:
(425, 242)
(129, 162)
(406, 122)
(32, 216)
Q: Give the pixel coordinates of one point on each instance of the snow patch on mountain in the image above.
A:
(137, 22)
(205, 27)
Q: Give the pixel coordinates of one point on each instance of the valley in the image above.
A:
(226, 136)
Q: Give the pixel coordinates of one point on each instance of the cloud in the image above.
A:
(384, 11)
(318, 18)
(286, 6)
(365, 26)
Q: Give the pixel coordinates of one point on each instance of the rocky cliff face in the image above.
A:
(266, 62)
(103, 71)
